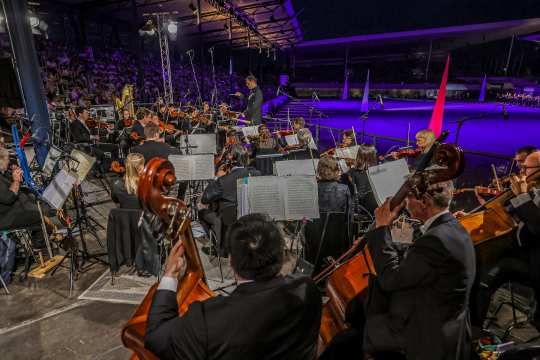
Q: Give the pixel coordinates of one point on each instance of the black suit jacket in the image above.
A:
(254, 106)
(151, 149)
(79, 132)
(223, 191)
(274, 319)
(428, 289)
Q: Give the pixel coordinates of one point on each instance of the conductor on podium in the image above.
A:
(254, 101)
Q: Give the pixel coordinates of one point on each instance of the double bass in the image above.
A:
(157, 177)
(349, 276)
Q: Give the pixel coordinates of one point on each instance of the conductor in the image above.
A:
(254, 101)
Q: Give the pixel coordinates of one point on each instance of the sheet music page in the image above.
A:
(386, 179)
(302, 198)
(198, 143)
(242, 197)
(265, 196)
(292, 140)
(250, 130)
(59, 188)
(182, 167)
(193, 167)
(297, 167)
(347, 153)
(51, 160)
(202, 167)
(84, 165)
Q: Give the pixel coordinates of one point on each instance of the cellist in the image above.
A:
(418, 302)
(268, 316)
(522, 262)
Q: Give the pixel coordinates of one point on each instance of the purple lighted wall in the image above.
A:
(490, 134)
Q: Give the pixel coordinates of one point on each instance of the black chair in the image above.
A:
(123, 238)
(328, 236)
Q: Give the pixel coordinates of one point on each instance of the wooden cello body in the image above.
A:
(157, 177)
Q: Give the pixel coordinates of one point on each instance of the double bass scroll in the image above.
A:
(157, 177)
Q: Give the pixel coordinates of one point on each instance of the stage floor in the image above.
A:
(490, 133)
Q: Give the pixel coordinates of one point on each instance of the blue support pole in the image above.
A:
(28, 74)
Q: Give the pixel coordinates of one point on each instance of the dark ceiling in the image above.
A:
(322, 19)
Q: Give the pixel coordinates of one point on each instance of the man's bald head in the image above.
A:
(532, 163)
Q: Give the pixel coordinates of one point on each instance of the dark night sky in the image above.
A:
(334, 18)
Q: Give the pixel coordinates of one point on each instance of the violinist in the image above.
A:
(521, 262)
(521, 155)
(347, 139)
(357, 178)
(154, 144)
(222, 192)
(268, 316)
(424, 140)
(263, 145)
(126, 121)
(78, 128)
(418, 302)
(137, 131)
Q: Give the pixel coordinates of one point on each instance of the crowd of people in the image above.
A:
(518, 97)
(91, 77)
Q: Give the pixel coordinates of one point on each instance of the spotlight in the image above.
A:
(172, 27)
(43, 26)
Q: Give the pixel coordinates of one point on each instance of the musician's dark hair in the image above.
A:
(300, 120)
(251, 78)
(151, 131)
(255, 244)
(142, 113)
(79, 110)
(348, 133)
(529, 149)
(366, 156)
(239, 155)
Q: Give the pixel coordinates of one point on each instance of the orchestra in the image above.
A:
(354, 233)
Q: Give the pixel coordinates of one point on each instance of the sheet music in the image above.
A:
(302, 198)
(199, 143)
(81, 166)
(292, 140)
(51, 160)
(348, 152)
(386, 179)
(282, 198)
(59, 188)
(266, 196)
(193, 167)
(250, 130)
(297, 167)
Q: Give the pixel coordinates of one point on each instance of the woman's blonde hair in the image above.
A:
(426, 134)
(134, 167)
(328, 169)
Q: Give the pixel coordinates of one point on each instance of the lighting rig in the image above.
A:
(166, 29)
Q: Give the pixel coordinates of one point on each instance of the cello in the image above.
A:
(157, 177)
(349, 276)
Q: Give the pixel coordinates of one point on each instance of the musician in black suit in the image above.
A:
(222, 193)
(521, 262)
(154, 145)
(80, 133)
(254, 101)
(419, 301)
(268, 316)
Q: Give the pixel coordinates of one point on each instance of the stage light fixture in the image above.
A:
(172, 27)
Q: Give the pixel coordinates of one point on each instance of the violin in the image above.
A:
(167, 127)
(116, 167)
(136, 137)
(284, 132)
(402, 154)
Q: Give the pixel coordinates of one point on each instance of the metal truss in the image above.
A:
(165, 59)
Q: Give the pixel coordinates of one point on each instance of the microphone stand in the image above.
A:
(214, 98)
(190, 55)
(460, 122)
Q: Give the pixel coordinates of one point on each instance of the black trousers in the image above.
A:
(516, 266)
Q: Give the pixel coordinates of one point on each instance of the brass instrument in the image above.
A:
(125, 102)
